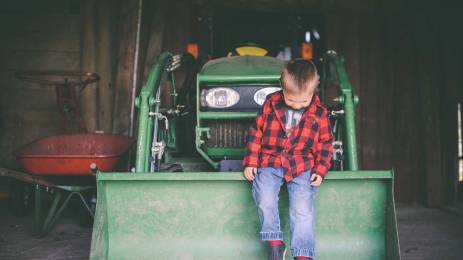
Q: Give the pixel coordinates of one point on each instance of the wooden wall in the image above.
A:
(48, 39)
(161, 32)
(68, 35)
(406, 66)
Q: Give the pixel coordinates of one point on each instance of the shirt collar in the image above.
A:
(278, 100)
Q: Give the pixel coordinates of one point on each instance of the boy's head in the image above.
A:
(299, 80)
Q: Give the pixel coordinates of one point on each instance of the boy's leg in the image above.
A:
(265, 190)
(302, 215)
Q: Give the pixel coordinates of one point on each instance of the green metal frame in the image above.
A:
(43, 228)
(333, 64)
(145, 102)
(58, 191)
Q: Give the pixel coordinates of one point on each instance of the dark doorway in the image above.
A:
(271, 30)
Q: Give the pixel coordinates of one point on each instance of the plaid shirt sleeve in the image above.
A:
(253, 140)
(324, 148)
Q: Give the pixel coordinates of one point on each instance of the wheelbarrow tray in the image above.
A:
(211, 215)
(73, 154)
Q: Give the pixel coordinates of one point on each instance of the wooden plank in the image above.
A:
(451, 79)
(176, 42)
(38, 60)
(33, 42)
(40, 7)
(368, 81)
(50, 23)
(89, 95)
(429, 96)
(333, 33)
(178, 27)
(350, 49)
(36, 99)
(156, 37)
(31, 119)
(385, 65)
(409, 181)
(104, 60)
(125, 65)
(41, 41)
(19, 128)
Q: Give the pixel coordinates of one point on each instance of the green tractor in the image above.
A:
(198, 205)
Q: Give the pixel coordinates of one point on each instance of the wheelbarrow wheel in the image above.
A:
(20, 198)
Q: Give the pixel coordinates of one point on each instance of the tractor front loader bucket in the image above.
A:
(210, 215)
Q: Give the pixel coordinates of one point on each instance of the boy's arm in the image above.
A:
(253, 141)
(324, 149)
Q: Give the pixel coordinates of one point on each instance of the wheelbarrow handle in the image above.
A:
(39, 76)
(26, 177)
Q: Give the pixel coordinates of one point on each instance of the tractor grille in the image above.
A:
(228, 133)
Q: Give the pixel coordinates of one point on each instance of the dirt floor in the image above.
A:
(424, 234)
(68, 239)
(430, 233)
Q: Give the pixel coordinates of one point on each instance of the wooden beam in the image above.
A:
(451, 79)
(369, 69)
(405, 123)
(156, 37)
(89, 94)
(104, 54)
(124, 72)
(428, 70)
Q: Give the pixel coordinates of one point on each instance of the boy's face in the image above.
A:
(301, 100)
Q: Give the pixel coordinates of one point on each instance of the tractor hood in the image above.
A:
(242, 69)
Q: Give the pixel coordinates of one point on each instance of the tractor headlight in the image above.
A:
(219, 97)
(261, 94)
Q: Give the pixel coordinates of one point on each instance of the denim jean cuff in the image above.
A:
(264, 236)
(303, 252)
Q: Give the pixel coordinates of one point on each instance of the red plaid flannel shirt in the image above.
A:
(310, 146)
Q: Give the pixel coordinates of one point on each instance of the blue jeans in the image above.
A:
(265, 190)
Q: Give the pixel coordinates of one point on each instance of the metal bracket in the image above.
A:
(158, 148)
(338, 153)
(176, 62)
(160, 116)
(199, 131)
(336, 113)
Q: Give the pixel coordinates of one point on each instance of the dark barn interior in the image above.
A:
(403, 59)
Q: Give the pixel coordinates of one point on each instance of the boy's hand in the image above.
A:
(250, 172)
(316, 180)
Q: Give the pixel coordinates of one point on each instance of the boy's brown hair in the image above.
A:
(297, 74)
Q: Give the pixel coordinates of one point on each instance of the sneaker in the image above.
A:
(277, 252)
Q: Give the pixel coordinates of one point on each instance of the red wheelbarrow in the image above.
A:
(66, 155)
(73, 154)
(61, 164)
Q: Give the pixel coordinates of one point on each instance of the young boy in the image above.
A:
(289, 142)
